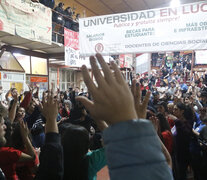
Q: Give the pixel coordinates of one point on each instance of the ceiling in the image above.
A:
(85, 8)
(102, 7)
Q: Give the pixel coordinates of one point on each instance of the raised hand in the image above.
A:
(141, 107)
(15, 96)
(50, 112)
(23, 129)
(113, 101)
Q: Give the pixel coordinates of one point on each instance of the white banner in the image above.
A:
(201, 57)
(26, 19)
(164, 29)
(143, 63)
(73, 58)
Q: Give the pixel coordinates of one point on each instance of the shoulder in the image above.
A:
(96, 160)
(10, 154)
(96, 154)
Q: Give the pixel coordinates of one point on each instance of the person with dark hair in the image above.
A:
(51, 155)
(204, 98)
(8, 165)
(202, 139)
(57, 17)
(24, 170)
(75, 24)
(165, 132)
(48, 3)
(162, 107)
(2, 141)
(68, 13)
(78, 162)
(182, 132)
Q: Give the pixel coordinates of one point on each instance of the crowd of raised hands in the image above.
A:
(132, 149)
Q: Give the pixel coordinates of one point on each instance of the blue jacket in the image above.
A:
(134, 152)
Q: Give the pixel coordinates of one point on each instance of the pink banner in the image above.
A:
(71, 39)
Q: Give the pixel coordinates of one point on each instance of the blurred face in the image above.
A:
(156, 97)
(177, 112)
(170, 108)
(61, 96)
(76, 90)
(31, 107)
(20, 113)
(203, 112)
(14, 91)
(161, 109)
(187, 100)
(172, 85)
(2, 131)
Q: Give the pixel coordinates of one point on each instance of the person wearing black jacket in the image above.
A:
(48, 3)
(57, 18)
(58, 14)
(51, 156)
(68, 17)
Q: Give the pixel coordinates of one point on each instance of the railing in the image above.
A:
(58, 28)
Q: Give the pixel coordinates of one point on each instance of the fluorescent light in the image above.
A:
(175, 3)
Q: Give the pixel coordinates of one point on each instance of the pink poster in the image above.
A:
(71, 39)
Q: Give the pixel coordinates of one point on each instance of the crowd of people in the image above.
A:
(61, 17)
(143, 131)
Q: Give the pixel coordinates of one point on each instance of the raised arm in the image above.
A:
(12, 111)
(51, 156)
(7, 95)
(30, 152)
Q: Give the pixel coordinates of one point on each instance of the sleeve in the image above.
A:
(14, 155)
(133, 150)
(26, 100)
(10, 155)
(51, 159)
(97, 160)
(168, 140)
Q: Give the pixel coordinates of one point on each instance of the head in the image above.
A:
(60, 5)
(170, 108)
(184, 112)
(203, 113)
(204, 120)
(75, 142)
(75, 139)
(162, 107)
(31, 106)
(14, 90)
(77, 16)
(156, 96)
(172, 84)
(164, 125)
(2, 132)
(187, 99)
(204, 96)
(77, 89)
(179, 110)
(62, 96)
(20, 113)
(16, 138)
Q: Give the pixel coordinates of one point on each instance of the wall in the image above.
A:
(83, 11)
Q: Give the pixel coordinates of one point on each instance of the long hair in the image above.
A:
(75, 142)
(188, 113)
(16, 138)
(164, 125)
